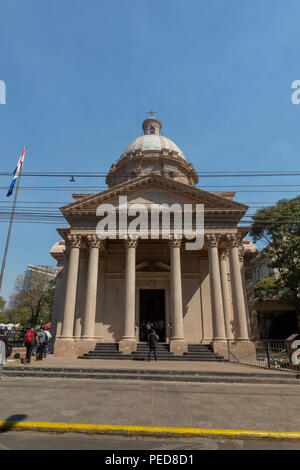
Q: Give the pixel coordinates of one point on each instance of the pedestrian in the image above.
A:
(135, 326)
(152, 343)
(143, 331)
(149, 327)
(49, 336)
(42, 340)
(29, 342)
(3, 349)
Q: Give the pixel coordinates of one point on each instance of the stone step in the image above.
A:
(187, 376)
(274, 373)
(175, 358)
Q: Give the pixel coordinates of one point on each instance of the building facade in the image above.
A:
(107, 289)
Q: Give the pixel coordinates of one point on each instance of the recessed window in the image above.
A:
(152, 130)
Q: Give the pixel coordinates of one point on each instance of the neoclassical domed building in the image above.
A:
(107, 289)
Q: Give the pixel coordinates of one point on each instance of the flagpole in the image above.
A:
(10, 226)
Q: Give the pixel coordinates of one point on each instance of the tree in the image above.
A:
(2, 304)
(278, 227)
(33, 304)
(266, 289)
(3, 317)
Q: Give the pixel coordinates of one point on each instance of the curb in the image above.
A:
(145, 430)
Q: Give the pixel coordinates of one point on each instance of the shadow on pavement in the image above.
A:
(11, 422)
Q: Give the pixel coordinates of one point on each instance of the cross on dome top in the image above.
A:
(151, 112)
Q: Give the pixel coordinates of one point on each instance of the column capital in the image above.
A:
(212, 239)
(74, 241)
(130, 242)
(175, 242)
(94, 241)
(231, 239)
(241, 253)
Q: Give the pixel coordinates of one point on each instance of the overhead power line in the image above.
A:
(203, 174)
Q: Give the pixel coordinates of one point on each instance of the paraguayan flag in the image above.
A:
(16, 173)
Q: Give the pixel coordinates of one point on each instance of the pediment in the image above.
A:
(153, 190)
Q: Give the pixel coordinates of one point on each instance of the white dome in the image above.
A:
(152, 142)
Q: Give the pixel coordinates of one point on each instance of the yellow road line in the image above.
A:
(145, 430)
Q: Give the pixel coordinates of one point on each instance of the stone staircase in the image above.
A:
(196, 352)
(106, 351)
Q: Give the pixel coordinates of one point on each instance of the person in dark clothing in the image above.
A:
(29, 342)
(152, 343)
(42, 340)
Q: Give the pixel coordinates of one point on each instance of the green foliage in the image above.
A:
(279, 227)
(33, 305)
(266, 289)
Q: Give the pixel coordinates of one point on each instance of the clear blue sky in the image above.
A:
(80, 76)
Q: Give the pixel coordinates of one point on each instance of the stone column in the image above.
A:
(226, 295)
(237, 289)
(241, 259)
(212, 241)
(71, 287)
(94, 244)
(101, 294)
(127, 343)
(178, 345)
(62, 295)
(81, 291)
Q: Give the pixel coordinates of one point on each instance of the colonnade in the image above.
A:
(220, 249)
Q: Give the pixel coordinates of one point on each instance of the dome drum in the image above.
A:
(152, 153)
(165, 164)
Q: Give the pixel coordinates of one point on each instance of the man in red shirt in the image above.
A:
(29, 342)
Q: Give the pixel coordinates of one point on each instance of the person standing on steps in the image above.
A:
(49, 336)
(42, 340)
(152, 343)
(149, 327)
(29, 342)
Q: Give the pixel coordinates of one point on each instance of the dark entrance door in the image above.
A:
(152, 309)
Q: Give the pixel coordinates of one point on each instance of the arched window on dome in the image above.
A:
(152, 130)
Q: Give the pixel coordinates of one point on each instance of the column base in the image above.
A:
(127, 345)
(220, 347)
(66, 347)
(178, 346)
(238, 349)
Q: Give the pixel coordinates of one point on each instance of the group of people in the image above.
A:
(41, 338)
(146, 328)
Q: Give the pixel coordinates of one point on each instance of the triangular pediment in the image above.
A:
(153, 190)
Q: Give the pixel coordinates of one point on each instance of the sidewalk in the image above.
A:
(61, 362)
